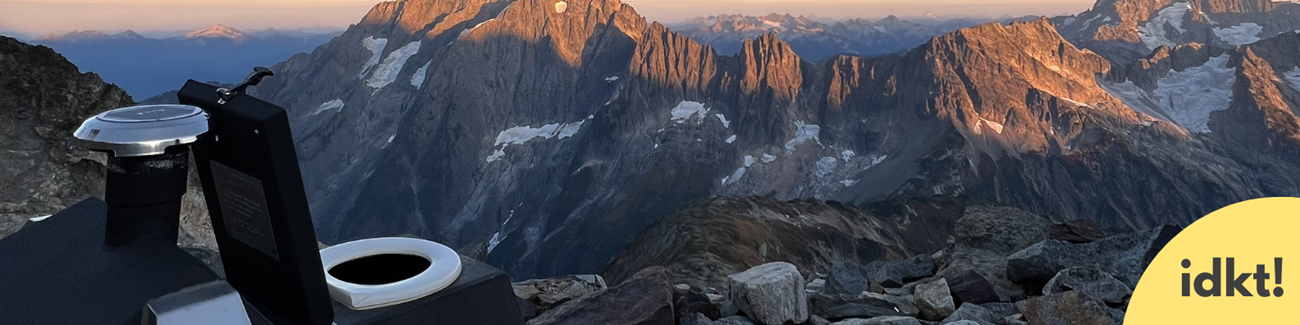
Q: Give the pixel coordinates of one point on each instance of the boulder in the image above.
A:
(1080, 231)
(700, 319)
(816, 320)
(644, 299)
(963, 322)
(933, 300)
(771, 293)
(895, 274)
(902, 303)
(1123, 256)
(887, 320)
(548, 293)
(846, 278)
(971, 313)
(696, 302)
(1069, 308)
(817, 285)
(837, 307)
(1001, 310)
(1016, 319)
(971, 287)
(1090, 280)
(527, 308)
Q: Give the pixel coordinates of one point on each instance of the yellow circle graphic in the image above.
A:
(1225, 269)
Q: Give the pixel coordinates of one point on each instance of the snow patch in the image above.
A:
(561, 7)
(1188, 97)
(767, 159)
(687, 109)
(723, 119)
(735, 177)
(847, 155)
(522, 134)
(803, 133)
(1153, 33)
(995, 126)
(391, 138)
(330, 105)
(492, 243)
(826, 166)
(1293, 77)
(749, 161)
(388, 70)
(1241, 34)
(732, 139)
(376, 47)
(848, 182)
(417, 80)
(611, 79)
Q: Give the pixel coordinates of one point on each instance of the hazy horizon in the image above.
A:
(32, 18)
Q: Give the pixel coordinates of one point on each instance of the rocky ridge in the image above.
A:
(1081, 282)
(816, 40)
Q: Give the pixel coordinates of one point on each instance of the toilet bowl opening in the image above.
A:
(380, 269)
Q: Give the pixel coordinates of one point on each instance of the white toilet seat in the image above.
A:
(444, 268)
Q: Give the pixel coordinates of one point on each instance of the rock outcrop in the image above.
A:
(645, 299)
(770, 294)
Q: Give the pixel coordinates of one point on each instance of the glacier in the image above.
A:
(376, 47)
(388, 70)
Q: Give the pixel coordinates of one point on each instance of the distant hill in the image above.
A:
(145, 66)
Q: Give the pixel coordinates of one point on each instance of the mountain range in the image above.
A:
(816, 40)
(148, 66)
(547, 134)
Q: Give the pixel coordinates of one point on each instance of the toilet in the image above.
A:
(381, 272)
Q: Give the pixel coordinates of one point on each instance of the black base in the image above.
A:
(482, 295)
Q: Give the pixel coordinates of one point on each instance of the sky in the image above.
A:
(38, 17)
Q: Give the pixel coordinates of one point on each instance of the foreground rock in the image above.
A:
(836, 307)
(645, 299)
(934, 300)
(771, 293)
(970, 287)
(700, 319)
(1069, 308)
(1091, 281)
(982, 240)
(548, 293)
(1076, 231)
(1123, 256)
(971, 313)
(887, 320)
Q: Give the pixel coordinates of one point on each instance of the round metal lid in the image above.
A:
(143, 130)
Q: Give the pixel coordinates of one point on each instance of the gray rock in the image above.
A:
(816, 285)
(771, 293)
(695, 302)
(817, 320)
(970, 287)
(963, 322)
(1090, 280)
(846, 278)
(971, 313)
(548, 293)
(895, 274)
(1116, 315)
(836, 307)
(903, 303)
(1080, 231)
(1123, 256)
(1016, 319)
(1001, 309)
(645, 299)
(1069, 308)
(700, 319)
(933, 300)
(887, 320)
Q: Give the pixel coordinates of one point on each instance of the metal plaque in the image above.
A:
(243, 208)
